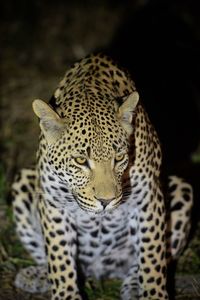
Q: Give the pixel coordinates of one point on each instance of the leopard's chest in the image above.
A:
(105, 243)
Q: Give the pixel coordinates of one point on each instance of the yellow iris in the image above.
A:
(80, 160)
(119, 157)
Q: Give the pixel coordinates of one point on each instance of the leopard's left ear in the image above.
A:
(125, 112)
(51, 124)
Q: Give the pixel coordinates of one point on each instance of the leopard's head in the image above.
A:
(88, 152)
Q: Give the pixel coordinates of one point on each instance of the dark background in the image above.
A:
(157, 41)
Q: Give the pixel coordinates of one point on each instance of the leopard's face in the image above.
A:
(91, 165)
(87, 141)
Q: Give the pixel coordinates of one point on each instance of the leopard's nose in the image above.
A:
(105, 202)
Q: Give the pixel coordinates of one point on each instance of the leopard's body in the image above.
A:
(94, 201)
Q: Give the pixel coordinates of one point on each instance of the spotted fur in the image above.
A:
(94, 200)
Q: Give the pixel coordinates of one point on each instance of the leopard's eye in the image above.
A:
(119, 157)
(80, 160)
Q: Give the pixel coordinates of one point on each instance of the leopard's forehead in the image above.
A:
(89, 137)
(88, 98)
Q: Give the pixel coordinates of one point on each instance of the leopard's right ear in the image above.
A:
(126, 110)
(51, 124)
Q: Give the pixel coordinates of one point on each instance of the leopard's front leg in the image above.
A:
(60, 247)
(147, 276)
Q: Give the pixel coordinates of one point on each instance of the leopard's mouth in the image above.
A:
(97, 206)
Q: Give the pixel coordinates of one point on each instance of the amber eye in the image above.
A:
(119, 157)
(80, 160)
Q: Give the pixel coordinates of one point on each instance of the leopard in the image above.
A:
(94, 203)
